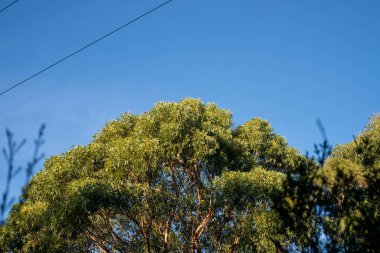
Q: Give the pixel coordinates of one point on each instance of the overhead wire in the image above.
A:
(84, 47)
(9, 5)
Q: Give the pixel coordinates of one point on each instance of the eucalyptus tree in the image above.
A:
(178, 178)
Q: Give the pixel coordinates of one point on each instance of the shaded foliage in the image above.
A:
(349, 193)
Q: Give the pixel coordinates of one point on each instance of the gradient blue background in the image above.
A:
(286, 61)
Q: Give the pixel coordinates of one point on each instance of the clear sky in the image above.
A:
(285, 61)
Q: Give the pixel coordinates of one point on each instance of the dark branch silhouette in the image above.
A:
(10, 152)
(37, 157)
(322, 150)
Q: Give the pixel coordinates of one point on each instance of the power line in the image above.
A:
(85, 47)
(9, 5)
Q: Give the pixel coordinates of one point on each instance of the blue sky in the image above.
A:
(285, 61)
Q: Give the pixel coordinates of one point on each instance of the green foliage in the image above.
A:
(350, 196)
(180, 178)
(253, 224)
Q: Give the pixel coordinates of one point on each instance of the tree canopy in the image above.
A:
(182, 178)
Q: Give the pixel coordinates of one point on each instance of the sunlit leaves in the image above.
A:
(180, 178)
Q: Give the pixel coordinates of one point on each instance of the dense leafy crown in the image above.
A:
(180, 178)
